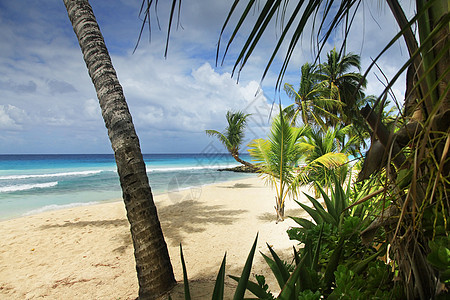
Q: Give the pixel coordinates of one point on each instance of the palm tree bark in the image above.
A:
(245, 163)
(153, 266)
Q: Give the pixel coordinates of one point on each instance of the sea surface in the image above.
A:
(31, 184)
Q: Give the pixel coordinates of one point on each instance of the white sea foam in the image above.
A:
(63, 174)
(25, 187)
(174, 169)
(57, 207)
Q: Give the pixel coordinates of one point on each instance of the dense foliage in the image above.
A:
(405, 175)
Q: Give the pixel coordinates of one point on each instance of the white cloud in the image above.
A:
(187, 103)
(11, 117)
(47, 92)
(92, 109)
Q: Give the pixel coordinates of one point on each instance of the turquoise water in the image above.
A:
(31, 184)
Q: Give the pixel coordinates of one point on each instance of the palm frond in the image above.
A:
(278, 156)
(222, 138)
(329, 160)
(233, 135)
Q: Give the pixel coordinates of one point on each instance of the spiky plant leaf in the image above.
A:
(312, 212)
(276, 271)
(187, 293)
(243, 280)
(253, 287)
(220, 282)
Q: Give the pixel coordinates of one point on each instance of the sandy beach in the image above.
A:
(87, 253)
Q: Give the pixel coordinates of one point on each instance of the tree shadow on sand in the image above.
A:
(177, 220)
(183, 218)
(95, 223)
(238, 186)
(269, 217)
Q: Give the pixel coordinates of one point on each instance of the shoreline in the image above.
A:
(86, 252)
(57, 207)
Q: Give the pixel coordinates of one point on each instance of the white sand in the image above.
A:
(86, 252)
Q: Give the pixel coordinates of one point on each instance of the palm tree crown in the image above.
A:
(340, 84)
(233, 135)
(305, 98)
(277, 158)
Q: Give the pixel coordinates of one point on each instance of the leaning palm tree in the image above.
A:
(277, 159)
(233, 136)
(153, 266)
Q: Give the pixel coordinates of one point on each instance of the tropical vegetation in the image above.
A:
(233, 135)
(325, 153)
(411, 167)
(329, 93)
(277, 159)
(385, 236)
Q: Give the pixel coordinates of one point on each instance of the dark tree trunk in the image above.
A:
(153, 266)
(245, 163)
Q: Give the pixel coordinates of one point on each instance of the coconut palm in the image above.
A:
(308, 100)
(233, 136)
(326, 153)
(153, 266)
(341, 85)
(277, 159)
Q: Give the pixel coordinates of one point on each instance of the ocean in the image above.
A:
(31, 184)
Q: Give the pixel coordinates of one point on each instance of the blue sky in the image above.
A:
(48, 103)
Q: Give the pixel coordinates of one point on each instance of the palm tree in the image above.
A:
(308, 100)
(233, 136)
(326, 153)
(341, 85)
(153, 266)
(277, 159)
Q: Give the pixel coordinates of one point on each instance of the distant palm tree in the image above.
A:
(277, 159)
(341, 85)
(233, 136)
(310, 100)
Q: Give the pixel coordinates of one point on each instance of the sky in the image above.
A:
(48, 104)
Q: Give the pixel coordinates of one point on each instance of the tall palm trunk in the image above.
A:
(153, 266)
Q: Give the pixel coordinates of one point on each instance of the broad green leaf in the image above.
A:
(307, 224)
(289, 287)
(280, 265)
(275, 270)
(320, 210)
(312, 212)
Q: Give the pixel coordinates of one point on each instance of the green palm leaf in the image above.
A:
(329, 160)
(233, 135)
(278, 156)
(221, 137)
